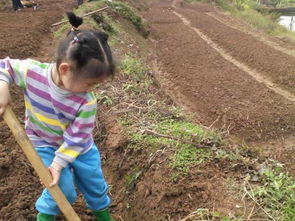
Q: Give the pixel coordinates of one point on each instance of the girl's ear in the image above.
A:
(63, 68)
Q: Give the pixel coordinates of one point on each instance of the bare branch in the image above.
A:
(87, 14)
(151, 132)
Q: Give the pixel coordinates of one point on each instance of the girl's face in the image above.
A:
(76, 84)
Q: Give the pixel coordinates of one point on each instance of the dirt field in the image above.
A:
(211, 64)
(226, 73)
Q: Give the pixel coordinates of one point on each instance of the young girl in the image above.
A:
(60, 115)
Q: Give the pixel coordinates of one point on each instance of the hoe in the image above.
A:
(26, 145)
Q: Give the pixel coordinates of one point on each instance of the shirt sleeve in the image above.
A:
(78, 135)
(14, 71)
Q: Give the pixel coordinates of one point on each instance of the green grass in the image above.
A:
(127, 12)
(187, 156)
(177, 134)
(276, 192)
(60, 32)
(188, 131)
(183, 138)
(136, 72)
(100, 20)
(134, 67)
(105, 23)
(121, 8)
(245, 10)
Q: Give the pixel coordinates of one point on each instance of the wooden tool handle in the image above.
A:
(26, 145)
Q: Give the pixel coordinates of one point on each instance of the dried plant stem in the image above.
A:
(151, 132)
(249, 194)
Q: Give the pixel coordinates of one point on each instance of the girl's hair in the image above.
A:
(87, 51)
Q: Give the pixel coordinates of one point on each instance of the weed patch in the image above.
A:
(105, 23)
(124, 10)
(61, 31)
(181, 137)
(133, 67)
(276, 192)
(186, 157)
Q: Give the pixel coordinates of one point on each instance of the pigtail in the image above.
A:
(88, 49)
(74, 20)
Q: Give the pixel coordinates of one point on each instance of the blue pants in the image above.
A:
(85, 172)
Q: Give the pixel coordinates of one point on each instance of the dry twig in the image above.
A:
(151, 132)
(87, 14)
(249, 194)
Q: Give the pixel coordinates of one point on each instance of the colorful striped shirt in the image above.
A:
(54, 117)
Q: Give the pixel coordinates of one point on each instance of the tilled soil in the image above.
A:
(212, 86)
(24, 33)
(229, 78)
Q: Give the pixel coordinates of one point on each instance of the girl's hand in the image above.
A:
(5, 96)
(55, 170)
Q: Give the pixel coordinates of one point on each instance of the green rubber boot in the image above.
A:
(45, 217)
(103, 215)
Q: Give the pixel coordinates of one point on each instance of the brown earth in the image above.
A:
(213, 87)
(206, 81)
(233, 81)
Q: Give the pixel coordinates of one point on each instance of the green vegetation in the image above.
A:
(249, 11)
(256, 14)
(133, 67)
(281, 3)
(104, 20)
(124, 10)
(186, 157)
(190, 143)
(268, 185)
(137, 82)
(277, 192)
(105, 23)
(58, 34)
